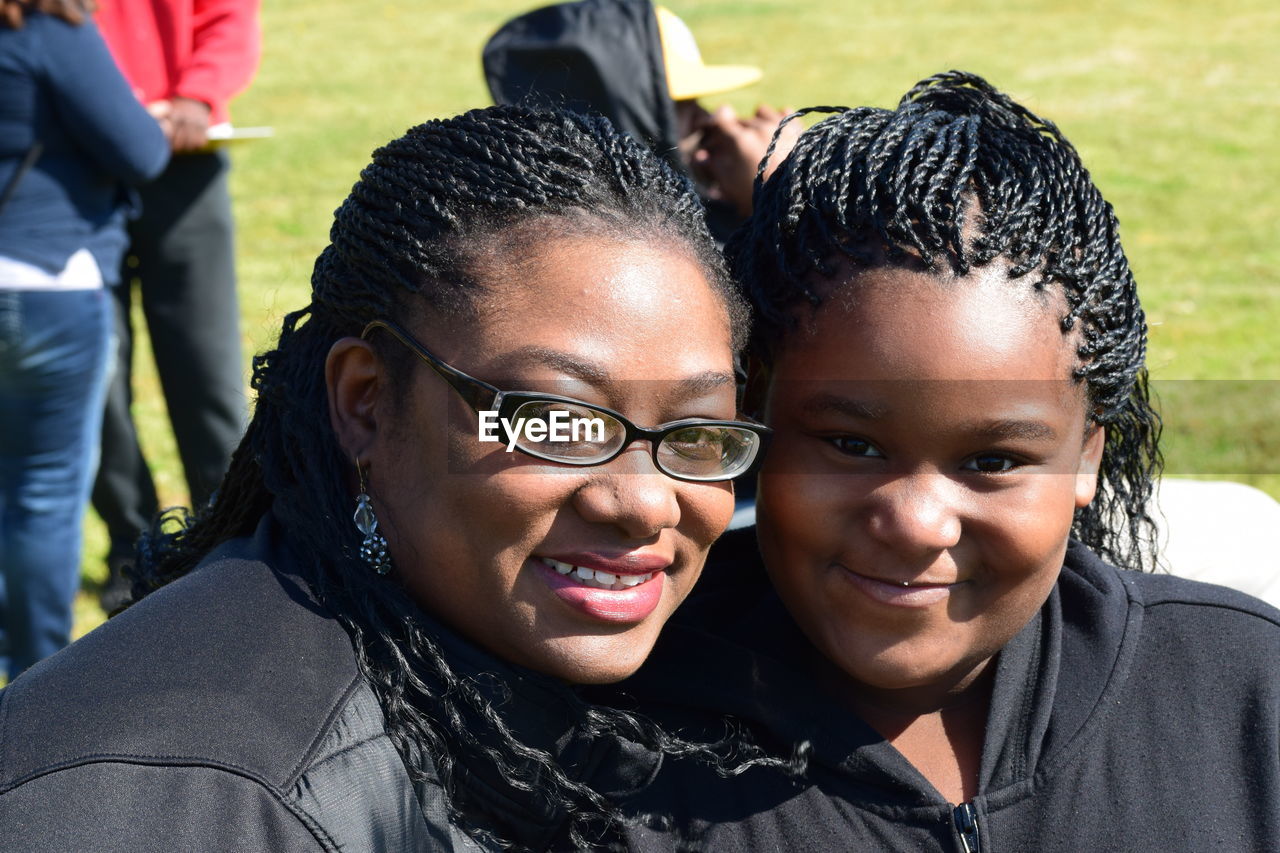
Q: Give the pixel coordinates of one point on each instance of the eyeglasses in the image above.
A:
(562, 429)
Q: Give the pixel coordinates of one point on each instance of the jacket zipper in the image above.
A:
(965, 818)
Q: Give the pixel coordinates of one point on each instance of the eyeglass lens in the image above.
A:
(579, 434)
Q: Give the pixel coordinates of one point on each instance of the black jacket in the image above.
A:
(226, 712)
(1135, 713)
(600, 57)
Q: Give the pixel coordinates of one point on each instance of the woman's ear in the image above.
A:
(353, 375)
(1090, 461)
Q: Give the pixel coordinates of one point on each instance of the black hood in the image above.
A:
(593, 56)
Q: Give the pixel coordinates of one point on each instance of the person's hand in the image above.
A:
(731, 150)
(188, 125)
(160, 111)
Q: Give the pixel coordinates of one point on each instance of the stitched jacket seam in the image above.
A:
(322, 732)
(176, 761)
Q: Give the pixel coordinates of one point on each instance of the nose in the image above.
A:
(630, 494)
(916, 514)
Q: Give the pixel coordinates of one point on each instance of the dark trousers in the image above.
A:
(181, 260)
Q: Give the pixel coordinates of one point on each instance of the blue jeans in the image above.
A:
(54, 349)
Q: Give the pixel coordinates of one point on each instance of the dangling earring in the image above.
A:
(373, 550)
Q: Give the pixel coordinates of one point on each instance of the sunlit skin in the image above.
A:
(926, 432)
(632, 326)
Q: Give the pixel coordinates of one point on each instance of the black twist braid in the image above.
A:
(869, 184)
(409, 236)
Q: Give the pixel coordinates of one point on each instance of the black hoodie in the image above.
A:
(1134, 713)
(601, 57)
(594, 56)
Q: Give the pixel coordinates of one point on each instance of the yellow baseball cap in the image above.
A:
(687, 75)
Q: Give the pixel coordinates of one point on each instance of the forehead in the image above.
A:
(893, 323)
(637, 309)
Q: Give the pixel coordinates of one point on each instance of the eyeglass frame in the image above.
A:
(475, 392)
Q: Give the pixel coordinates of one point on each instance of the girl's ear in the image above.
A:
(1090, 460)
(353, 375)
(755, 388)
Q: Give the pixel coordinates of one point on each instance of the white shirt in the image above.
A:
(80, 273)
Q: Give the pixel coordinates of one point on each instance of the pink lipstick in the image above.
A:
(620, 590)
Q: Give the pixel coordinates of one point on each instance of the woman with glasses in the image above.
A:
(486, 464)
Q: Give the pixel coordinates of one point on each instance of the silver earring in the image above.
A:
(373, 550)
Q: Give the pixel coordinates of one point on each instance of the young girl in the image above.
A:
(951, 355)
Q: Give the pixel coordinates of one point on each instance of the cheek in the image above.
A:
(705, 512)
(1023, 537)
(462, 512)
(796, 498)
(1031, 524)
(707, 509)
(799, 522)
(489, 515)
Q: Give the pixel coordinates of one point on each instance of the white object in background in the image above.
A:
(80, 273)
(222, 134)
(1220, 532)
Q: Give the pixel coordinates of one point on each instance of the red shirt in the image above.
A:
(206, 50)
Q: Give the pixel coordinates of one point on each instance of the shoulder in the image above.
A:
(1209, 627)
(229, 677)
(56, 36)
(1188, 625)
(1160, 592)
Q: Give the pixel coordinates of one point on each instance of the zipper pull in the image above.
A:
(965, 818)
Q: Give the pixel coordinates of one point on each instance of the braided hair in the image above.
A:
(409, 237)
(960, 174)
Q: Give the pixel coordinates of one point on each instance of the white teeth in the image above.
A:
(598, 579)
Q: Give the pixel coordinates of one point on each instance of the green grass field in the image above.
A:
(1172, 104)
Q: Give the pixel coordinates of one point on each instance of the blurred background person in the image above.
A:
(185, 60)
(72, 141)
(639, 66)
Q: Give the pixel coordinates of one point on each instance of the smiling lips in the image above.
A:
(596, 578)
(616, 591)
(899, 593)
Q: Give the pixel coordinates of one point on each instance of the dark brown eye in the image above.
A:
(853, 446)
(991, 463)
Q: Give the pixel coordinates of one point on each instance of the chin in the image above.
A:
(597, 676)
(591, 672)
(891, 665)
(891, 674)
(597, 660)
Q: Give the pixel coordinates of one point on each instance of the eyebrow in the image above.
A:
(1010, 428)
(592, 373)
(999, 429)
(834, 404)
